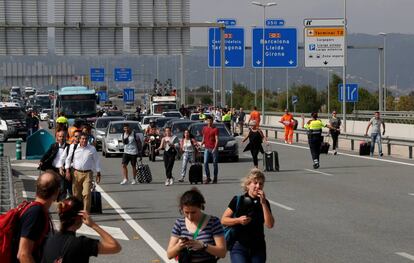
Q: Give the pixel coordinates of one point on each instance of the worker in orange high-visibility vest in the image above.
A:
(288, 121)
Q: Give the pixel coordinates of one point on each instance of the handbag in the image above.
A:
(230, 231)
(185, 254)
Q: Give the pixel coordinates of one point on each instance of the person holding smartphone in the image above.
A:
(199, 235)
(248, 213)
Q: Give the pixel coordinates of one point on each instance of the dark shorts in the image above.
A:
(126, 158)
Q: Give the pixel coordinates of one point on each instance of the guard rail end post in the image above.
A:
(410, 152)
(276, 134)
(267, 133)
(352, 144)
(389, 148)
(297, 137)
(18, 149)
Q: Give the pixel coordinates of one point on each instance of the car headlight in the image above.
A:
(113, 141)
(231, 144)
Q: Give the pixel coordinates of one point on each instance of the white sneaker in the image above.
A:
(133, 181)
(167, 182)
(286, 141)
(124, 181)
(172, 181)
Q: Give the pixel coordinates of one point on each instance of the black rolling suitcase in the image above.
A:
(96, 202)
(144, 175)
(364, 148)
(195, 175)
(271, 161)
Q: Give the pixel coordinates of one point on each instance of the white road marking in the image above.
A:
(141, 231)
(405, 255)
(29, 177)
(31, 165)
(318, 172)
(116, 232)
(27, 194)
(350, 155)
(281, 206)
(411, 194)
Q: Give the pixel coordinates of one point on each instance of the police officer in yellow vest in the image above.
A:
(226, 119)
(201, 115)
(314, 128)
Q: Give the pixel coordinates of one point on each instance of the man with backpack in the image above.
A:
(132, 149)
(24, 229)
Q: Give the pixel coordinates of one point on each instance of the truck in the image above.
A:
(160, 104)
(12, 121)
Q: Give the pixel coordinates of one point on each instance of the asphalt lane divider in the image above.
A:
(318, 172)
(134, 225)
(405, 255)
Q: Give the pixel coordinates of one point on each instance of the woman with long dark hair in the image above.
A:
(256, 138)
(66, 246)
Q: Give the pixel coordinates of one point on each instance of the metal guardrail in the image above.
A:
(389, 141)
(7, 195)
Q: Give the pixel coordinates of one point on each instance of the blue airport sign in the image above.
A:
(234, 47)
(129, 95)
(281, 48)
(123, 74)
(103, 96)
(227, 21)
(275, 22)
(351, 92)
(97, 74)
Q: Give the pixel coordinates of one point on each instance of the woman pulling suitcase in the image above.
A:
(256, 138)
(188, 147)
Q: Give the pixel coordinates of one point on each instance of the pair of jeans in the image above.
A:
(376, 138)
(187, 157)
(243, 254)
(214, 155)
(169, 159)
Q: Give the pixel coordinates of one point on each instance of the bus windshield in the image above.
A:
(72, 108)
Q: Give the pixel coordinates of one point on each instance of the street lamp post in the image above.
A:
(263, 53)
(344, 72)
(384, 37)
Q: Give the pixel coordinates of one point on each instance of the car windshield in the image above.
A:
(180, 127)
(46, 110)
(160, 122)
(172, 114)
(114, 113)
(11, 113)
(103, 123)
(119, 128)
(197, 129)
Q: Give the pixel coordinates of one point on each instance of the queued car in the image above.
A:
(146, 119)
(113, 113)
(228, 147)
(112, 143)
(99, 128)
(12, 122)
(178, 126)
(45, 114)
(196, 116)
(175, 114)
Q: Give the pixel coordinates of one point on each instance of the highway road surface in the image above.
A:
(352, 209)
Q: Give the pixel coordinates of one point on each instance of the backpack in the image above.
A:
(8, 227)
(230, 231)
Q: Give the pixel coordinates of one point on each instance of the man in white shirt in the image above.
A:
(132, 149)
(85, 161)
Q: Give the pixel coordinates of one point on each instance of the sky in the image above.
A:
(363, 16)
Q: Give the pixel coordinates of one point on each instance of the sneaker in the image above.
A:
(290, 142)
(124, 182)
(285, 141)
(167, 182)
(215, 181)
(208, 180)
(381, 154)
(181, 180)
(171, 181)
(335, 152)
(133, 181)
(316, 165)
